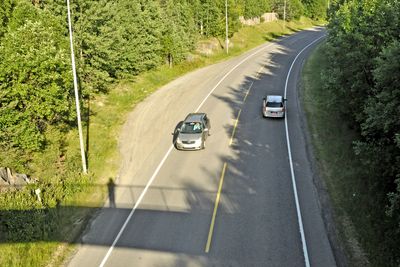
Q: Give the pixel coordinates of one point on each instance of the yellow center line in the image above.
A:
(234, 127)
(210, 232)
(251, 85)
(247, 93)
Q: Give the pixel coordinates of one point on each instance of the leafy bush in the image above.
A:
(363, 76)
(33, 78)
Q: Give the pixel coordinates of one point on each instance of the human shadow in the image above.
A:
(111, 192)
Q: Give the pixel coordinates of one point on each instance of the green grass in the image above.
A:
(358, 219)
(107, 115)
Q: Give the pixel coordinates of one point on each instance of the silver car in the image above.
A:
(274, 106)
(193, 133)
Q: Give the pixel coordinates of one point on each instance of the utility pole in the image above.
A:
(78, 112)
(284, 14)
(226, 27)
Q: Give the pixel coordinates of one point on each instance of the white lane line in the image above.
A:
(303, 238)
(103, 262)
(136, 205)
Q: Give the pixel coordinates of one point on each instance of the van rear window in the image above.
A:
(274, 104)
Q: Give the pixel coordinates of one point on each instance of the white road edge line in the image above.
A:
(103, 262)
(303, 238)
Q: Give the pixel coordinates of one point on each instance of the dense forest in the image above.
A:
(363, 78)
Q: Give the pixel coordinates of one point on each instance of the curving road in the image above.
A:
(232, 204)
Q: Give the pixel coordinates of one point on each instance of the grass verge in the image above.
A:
(50, 239)
(343, 174)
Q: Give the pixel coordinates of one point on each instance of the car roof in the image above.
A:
(274, 98)
(194, 117)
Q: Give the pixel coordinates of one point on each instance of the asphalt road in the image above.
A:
(232, 204)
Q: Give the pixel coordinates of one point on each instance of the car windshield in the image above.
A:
(274, 104)
(191, 128)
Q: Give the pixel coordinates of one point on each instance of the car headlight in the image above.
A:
(178, 140)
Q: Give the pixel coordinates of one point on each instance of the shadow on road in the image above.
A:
(246, 189)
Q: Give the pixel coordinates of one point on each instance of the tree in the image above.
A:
(179, 32)
(255, 8)
(214, 17)
(294, 8)
(315, 9)
(363, 76)
(35, 82)
(138, 26)
(382, 128)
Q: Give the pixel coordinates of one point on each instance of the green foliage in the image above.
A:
(293, 9)
(393, 210)
(364, 52)
(25, 218)
(211, 18)
(234, 11)
(31, 74)
(315, 9)
(138, 47)
(386, 97)
(6, 8)
(94, 44)
(179, 33)
(255, 8)
(341, 171)
(21, 12)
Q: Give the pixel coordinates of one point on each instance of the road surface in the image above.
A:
(248, 199)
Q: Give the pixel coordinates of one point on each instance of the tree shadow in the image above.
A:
(253, 223)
